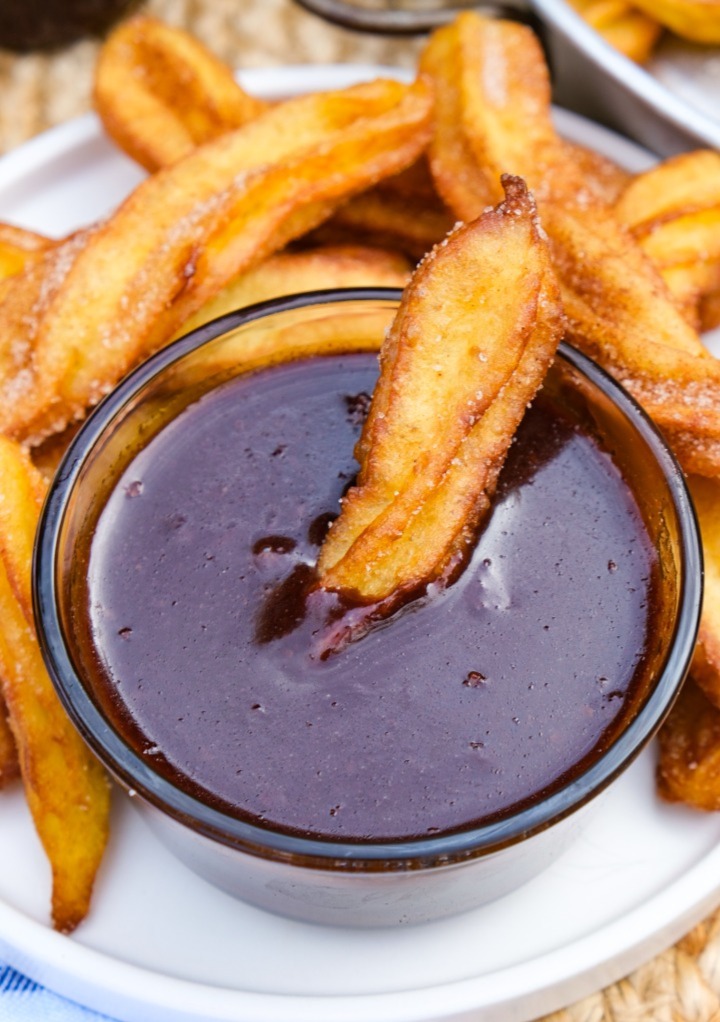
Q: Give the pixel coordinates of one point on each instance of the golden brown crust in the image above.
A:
(392, 220)
(66, 789)
(475, 333)
(625, 27)
(706, 660)
(160, 93)
(493, 116)
(689, 764)
(9, 765)
(698, 20)
(19, 248)
(310, 270)
(77, 320)
(673, 210)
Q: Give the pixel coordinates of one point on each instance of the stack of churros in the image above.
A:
(244, 201)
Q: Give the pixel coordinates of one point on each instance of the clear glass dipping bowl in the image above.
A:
(368, 884)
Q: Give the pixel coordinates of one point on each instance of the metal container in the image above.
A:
(664, 105)
(670, 105)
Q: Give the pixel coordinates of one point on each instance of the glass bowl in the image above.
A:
(328, 880)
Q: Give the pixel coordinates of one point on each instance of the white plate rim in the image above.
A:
(539, 985)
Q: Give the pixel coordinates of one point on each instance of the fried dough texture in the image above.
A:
(333, 332)
(19, 248)
(79, 318)
(705, 494)
(698, 20)
(689, 762)
(66, 789)
(673, 210)
(493, 115)
(9, 765)
(689, 765)
(160, 93)
(390, 220)
(476, 331)
(628, 29)
(710, 310)
(313, 270)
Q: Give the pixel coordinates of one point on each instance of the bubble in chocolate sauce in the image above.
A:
(284, 608)
(274, 545)
(318, 528)
(358, 406)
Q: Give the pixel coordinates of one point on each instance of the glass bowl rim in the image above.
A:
(138, 777)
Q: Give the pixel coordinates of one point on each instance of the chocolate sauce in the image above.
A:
(471, 701)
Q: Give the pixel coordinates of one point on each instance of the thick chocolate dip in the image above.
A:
(206, 654)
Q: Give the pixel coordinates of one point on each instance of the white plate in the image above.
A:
(160, 945)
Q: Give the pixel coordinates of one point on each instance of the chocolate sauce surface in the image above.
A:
(471, 701)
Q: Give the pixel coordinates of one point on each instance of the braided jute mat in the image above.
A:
(37, 91)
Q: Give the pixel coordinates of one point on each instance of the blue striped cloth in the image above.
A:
(22, 1000)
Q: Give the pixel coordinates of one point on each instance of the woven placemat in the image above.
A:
(37, 91)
